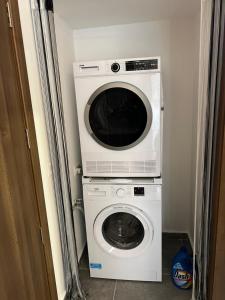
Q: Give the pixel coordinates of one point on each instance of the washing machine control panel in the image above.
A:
(128, 191)
(139, 191)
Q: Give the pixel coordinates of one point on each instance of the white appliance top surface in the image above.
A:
(127, 181)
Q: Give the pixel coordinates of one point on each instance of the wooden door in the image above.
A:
(26, 270)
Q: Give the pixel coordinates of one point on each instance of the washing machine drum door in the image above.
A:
(123, 230)
(118, 115)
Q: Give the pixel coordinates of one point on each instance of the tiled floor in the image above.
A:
(104, 289)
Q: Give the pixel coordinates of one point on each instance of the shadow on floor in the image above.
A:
(105, 289)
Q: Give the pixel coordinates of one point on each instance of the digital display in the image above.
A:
(139, 191)
(140, 65)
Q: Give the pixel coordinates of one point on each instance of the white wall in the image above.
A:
(42, 141)
(184, 102)
(64, 38)
(175, 41)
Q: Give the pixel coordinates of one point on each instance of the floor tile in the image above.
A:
(97, 289)
(128, 290)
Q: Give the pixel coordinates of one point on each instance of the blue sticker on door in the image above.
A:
(95, 266)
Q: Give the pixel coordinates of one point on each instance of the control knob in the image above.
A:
(120, 192)
(115, 67)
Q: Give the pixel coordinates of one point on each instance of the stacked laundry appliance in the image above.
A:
(119, 107)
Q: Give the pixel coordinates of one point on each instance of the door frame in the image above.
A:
(216, 287)
(18, 47)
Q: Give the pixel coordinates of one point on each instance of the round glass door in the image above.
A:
(118, 115)
(123, 230)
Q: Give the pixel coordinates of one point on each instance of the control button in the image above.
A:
(120, 192)
(115, 67)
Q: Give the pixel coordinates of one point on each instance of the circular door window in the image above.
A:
(123, 230)
(118, 115)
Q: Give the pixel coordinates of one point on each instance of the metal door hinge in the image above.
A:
(41, 234)
(9, 14)
(28, 138)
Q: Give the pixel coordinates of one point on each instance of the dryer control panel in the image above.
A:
(117, 66)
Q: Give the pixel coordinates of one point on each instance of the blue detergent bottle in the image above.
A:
(182, 269)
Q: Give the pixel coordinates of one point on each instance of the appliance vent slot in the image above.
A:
(120, 167)
(91, 166)
(150, 166)
(137, 167)
(110, 167)
(103, 167)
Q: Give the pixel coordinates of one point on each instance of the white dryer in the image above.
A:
(119, 115)
(123, 224)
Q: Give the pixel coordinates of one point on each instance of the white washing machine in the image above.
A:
(123, 224)
(119, 115)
